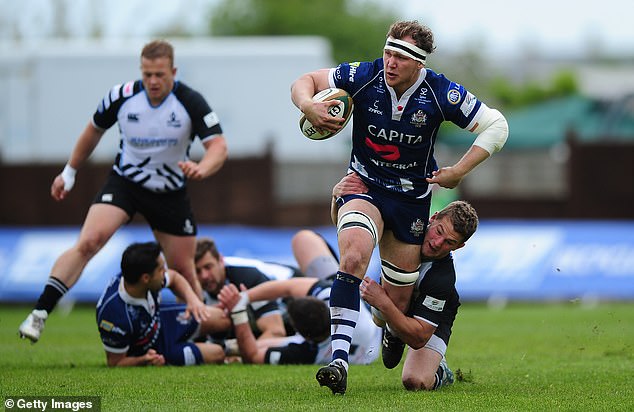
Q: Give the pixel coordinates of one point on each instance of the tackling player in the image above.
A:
(399, 105)
(426, 326)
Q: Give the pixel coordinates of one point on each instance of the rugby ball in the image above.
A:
(343, 110)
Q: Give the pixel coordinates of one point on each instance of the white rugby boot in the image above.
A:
(33, 325)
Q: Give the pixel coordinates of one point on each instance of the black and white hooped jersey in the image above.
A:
(435, 299)
(155, 139)
(393, 139)
(364, 348)
(127, 324)
(252, 272)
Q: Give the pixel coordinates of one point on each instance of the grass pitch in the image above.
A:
(540, 356)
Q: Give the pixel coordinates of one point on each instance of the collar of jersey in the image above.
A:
(131, 300)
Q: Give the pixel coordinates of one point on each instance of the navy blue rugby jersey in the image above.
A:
(393, 139)
(155, 139)
(127, 324)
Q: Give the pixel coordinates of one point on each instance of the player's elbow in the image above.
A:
(249, 356)
(493, 131)
(418, 340)
(220, 148)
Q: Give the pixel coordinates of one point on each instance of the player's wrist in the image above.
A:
(239, 317)
(68, 175)
(243, 302)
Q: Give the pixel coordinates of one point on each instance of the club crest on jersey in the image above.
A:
(173, 121)
(419, 118)
(417, 228)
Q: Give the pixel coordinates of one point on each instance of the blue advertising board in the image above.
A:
(531, 260)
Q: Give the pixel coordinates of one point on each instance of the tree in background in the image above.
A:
(356, 28)
(563, 83)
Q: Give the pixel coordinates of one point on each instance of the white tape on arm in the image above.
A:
(239, 313)
(240, 317)
(68, 175)
(492, 129)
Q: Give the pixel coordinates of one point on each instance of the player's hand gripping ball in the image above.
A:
(342, 110)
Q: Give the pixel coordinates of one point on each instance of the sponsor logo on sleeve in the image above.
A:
(353, 70)
(468, 104)
(434, 304)
(211, 119)
(107, 326)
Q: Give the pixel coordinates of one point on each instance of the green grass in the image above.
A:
(542, 356)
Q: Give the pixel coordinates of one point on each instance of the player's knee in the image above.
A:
(184, 354)
(353, 261)
(358, 220)
(89, 245)
(301, 239)
(211, 353)
(216, 321)
(415, 383)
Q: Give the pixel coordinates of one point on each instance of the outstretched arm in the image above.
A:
(151, 358)
(273, 289)
(181, 288)
(85, 145)
(492, 130)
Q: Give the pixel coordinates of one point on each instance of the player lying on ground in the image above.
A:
(215, 270)
(308, 312)
(136, 329)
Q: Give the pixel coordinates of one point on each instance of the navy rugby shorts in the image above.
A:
(175, 335)
(406, 218)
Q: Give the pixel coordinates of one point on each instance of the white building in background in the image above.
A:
(51, 89)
